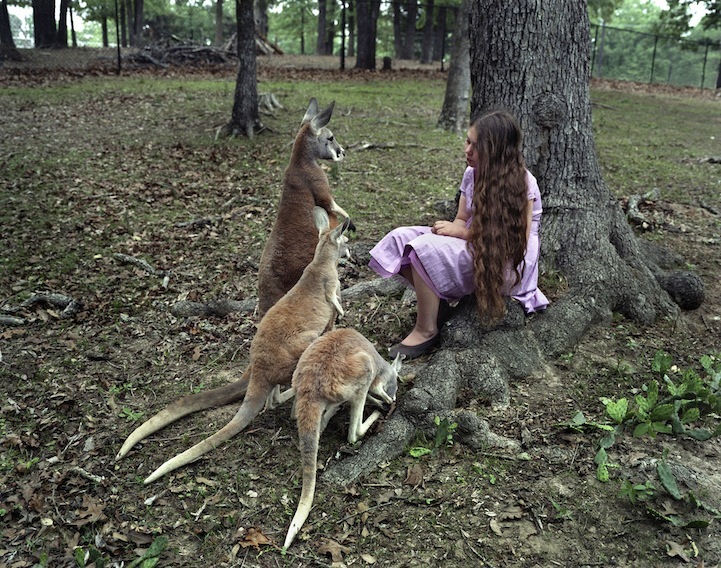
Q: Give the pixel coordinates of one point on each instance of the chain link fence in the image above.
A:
(628, 55)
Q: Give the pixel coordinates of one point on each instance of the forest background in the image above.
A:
(641, 40)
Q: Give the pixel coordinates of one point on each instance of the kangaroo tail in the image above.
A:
(249, 409)
(187, 405)
(309, 459)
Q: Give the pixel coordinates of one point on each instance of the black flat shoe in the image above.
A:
(411, 352)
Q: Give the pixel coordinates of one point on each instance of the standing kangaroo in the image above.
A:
(339, 366)
(285, 332)
(292, 239)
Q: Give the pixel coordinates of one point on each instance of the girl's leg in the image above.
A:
(428, 303)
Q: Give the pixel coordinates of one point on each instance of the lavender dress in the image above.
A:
(445, 263)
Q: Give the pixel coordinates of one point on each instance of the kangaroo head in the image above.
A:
(325, 146)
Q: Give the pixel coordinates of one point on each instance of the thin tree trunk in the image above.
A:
(62, 38)
(427, 47)
(351, 29)
(245, 118)
(410, 30)
(260, 13)
(104, 31)
(454, 114)
(320, 46)
(439, 49)
(218, 22)
(73, 35)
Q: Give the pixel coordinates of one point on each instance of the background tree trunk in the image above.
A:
(245, 119)
(454, 114)
(408, 51)
(427, 47)
(320, 44)
(260, 12)
(218, 22)
(6, 34)
(44, 23)
(351, 29)
(534, 61)
(62, 37)
(366, 19)
(439, 30)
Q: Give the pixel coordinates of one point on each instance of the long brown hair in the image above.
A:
(500, 201)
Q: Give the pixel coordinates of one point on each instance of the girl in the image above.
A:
(490, 248)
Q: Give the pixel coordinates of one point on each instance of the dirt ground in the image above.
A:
(72, 390)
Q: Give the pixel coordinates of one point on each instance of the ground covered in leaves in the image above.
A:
(116, 204)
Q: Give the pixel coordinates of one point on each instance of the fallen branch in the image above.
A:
(7, 320)
(68, 305)
(139, 263)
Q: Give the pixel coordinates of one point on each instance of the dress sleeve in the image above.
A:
(534, 194)
(467, 185)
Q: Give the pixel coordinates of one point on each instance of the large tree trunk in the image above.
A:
(454, 114)
(6, 34)
(245, 119)
(533, 60)
(44, 23)
(367, 19)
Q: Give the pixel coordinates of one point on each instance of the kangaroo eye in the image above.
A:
(330, 139)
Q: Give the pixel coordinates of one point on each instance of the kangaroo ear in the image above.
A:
(311, 112)
(322, 118)
(320, 217)
(397, 363)
(337, 233)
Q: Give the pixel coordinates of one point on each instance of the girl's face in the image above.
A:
(471, 148)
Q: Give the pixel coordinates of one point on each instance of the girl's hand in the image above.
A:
(447, 228)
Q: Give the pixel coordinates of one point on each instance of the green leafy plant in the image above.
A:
(635, 492)
(686, 404)
(130, 415)
(443, 437)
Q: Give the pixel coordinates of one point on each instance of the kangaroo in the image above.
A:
(288, 328)
(290, 245)
(339, 366)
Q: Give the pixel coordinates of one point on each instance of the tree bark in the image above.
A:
(218, 22)
(260, 12)
(408, 51)
(454, 114)
(62, 38)
(427, 47)
(367, 20)
(322, 27)
(6, 34)
(245, 118)
(532, 59)
(440, 33)
(44, 23)
(351, 29)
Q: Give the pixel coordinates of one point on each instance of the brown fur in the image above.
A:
(290, 245)
(288, 328)
(340, 366)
